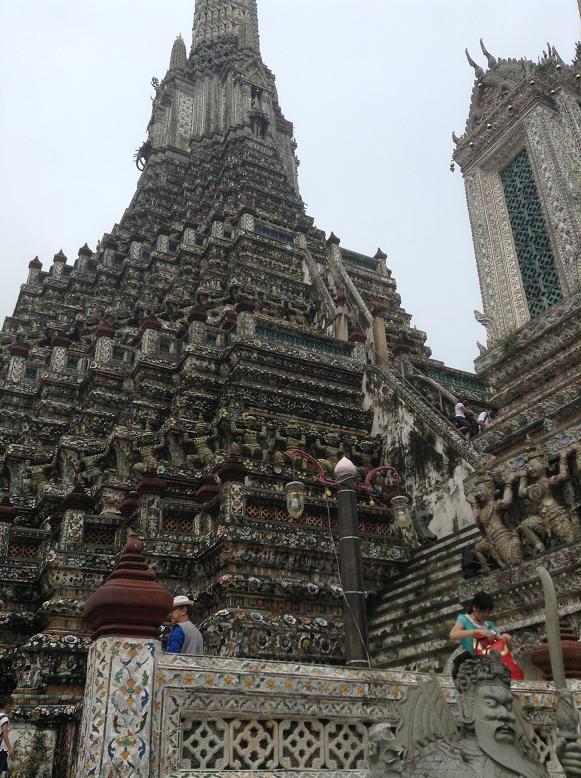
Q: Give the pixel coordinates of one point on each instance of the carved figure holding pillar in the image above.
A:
(550, 521)
(501, 544)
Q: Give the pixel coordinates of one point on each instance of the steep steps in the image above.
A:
(410, 621)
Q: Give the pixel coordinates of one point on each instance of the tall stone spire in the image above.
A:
(215, 20)
(179, 55)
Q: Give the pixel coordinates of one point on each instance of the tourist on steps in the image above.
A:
(485, 419)
(462, 419)
(185, 637)
(478, 635)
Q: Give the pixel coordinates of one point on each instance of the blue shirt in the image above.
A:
(176, 640)
(466, 623)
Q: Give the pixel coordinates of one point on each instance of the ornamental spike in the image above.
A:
(477, 69)
(492, 61)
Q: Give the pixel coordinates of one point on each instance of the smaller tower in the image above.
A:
(519, 158)
(179, 55)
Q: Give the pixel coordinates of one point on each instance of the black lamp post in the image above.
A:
(354, 607)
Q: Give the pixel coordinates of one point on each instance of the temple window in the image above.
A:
(259, 126)
(535, 256)
(256, 97)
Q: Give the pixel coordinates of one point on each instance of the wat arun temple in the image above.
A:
(216, 346)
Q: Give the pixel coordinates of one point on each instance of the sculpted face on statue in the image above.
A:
(486, 705)
(485, 490)
(493, 717)
(493, 741)
(536, 468)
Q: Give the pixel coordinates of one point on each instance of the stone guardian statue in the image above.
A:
(493, 739)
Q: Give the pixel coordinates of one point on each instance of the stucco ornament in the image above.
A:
(492, 741)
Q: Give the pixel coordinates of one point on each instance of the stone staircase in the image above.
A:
(409, 623)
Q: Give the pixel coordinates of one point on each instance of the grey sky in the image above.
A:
(374, 87)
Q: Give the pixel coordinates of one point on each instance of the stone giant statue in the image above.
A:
(492, 741)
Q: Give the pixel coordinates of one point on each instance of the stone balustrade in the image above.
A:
(169, 716)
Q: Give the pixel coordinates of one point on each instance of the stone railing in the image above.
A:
(216, 717)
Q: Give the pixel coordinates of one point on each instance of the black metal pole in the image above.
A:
(355, 611)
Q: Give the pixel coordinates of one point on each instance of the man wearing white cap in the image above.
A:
(185, 637)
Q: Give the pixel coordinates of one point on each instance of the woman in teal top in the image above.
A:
(476, 623)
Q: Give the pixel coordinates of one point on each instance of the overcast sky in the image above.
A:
(374, 87)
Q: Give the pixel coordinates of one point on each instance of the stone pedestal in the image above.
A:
(115, 736)
(125, 614)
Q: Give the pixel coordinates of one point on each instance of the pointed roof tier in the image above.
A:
(507, 88)
(131, 601)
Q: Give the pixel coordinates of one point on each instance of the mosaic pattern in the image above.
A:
(500, 282)
(116, 728)
(535, 256)
(554, 149)
(303, 342)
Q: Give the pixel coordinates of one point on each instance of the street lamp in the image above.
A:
(351, 570)
(295, 498)
(401, 512)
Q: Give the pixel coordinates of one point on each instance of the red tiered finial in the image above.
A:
(131, 602)
(571, 654)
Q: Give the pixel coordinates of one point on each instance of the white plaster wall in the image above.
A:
(431, 469)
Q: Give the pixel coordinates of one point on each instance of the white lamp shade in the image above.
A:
(345, 469)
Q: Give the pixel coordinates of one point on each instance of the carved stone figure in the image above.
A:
(493, 740)
(421, 519)
(171, 446)
(328, 452)
(93, 466)
(367, 455)
(294, 438)
(550, 521)
(202, 443)
(250, 446)
(121, 448)
(500, 543)
(145, 450)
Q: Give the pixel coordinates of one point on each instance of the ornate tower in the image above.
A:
(216, 123)
(521, 160)
(520, 156)
(159, 384)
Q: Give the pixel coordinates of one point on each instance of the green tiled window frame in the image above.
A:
(535, 256)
